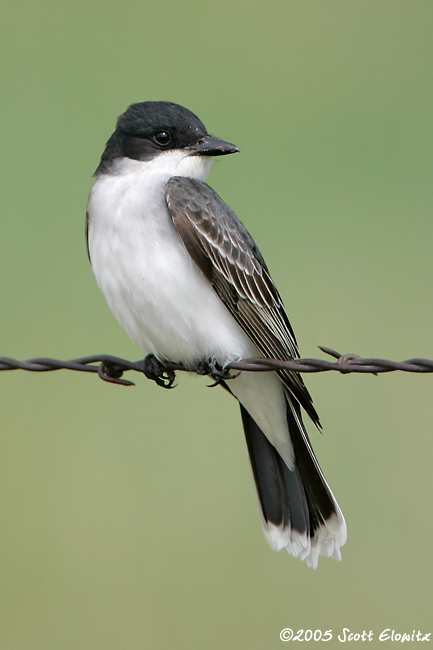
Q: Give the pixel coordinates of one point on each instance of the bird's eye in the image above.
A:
(162, 138)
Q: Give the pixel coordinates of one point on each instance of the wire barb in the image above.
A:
(111, 368)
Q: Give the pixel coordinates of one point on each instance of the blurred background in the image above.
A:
(128, 515)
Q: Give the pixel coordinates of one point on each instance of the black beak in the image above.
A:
(209, 146)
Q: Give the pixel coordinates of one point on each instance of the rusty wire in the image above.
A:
(111, 368)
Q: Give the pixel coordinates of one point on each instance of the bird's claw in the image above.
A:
(217, 372)
(158, 372)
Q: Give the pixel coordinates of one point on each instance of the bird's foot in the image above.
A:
(217, 372)
(158, 372)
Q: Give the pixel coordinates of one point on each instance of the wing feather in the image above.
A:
(223, 249)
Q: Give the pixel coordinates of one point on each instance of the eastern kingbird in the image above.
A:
(185, 279)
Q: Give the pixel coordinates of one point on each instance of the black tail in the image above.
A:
(299, 510)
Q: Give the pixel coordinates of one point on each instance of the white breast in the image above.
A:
(148, 278)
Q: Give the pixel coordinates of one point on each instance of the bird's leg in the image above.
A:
(215, 370)
(158, 372)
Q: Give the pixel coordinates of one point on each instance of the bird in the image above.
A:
(186, 281)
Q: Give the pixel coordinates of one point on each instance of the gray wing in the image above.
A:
(225, 252)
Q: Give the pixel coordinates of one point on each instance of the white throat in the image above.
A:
(166, 165)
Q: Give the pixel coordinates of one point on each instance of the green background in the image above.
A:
(128, 517)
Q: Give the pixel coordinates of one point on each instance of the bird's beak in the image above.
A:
(209, 146)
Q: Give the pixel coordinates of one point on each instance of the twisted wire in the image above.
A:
(111, 368)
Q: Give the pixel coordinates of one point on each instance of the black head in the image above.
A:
(147, 129)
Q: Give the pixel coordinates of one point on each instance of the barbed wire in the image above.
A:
(111, 368)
